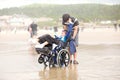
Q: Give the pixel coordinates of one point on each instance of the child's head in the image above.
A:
(64, 32)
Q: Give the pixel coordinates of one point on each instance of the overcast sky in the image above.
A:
(17, 3)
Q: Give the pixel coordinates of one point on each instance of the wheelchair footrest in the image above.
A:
(43, 50)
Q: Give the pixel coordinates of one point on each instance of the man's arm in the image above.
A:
(64, 27)
(75, 32)
(76, 27)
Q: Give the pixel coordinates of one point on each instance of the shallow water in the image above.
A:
(18, 61)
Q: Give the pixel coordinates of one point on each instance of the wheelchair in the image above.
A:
(58, 56)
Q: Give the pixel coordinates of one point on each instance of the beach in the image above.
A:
(98, 57)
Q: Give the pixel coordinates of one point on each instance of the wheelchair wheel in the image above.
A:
(51, 62)
(41, 58)
(63, 58)
(44, 59)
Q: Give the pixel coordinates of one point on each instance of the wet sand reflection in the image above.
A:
(65, 73)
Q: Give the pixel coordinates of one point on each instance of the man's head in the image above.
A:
(65, 18)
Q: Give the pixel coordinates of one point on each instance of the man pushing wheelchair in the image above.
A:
(59, 55)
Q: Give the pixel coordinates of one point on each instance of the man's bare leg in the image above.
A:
(75, 58)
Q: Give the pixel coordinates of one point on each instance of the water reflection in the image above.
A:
(65, 73)
(31, 49)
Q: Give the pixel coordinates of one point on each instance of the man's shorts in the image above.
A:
(76, 40)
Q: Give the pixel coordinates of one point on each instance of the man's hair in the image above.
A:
(65, 17)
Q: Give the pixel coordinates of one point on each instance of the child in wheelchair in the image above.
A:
(49, 54)
(47, 41)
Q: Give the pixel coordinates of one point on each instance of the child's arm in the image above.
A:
(56, 37)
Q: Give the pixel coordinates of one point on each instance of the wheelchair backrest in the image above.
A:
(68, 35)
(69, 32)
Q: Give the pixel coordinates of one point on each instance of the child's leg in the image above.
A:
(41, 45)
(51, 40)
(48, 38)
(45, 43)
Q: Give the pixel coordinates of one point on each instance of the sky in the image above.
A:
(18, 3)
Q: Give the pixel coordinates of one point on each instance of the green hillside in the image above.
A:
(85, 12)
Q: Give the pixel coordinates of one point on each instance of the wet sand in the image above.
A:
(98, 56)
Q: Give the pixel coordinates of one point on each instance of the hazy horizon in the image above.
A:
(18, 3)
